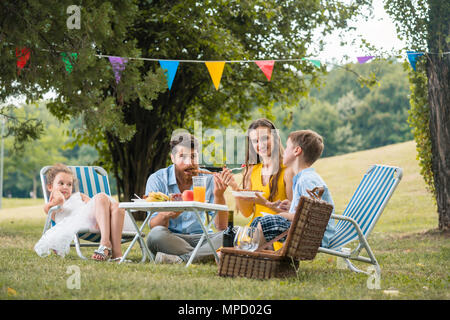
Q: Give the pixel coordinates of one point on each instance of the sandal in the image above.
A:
(99, 254)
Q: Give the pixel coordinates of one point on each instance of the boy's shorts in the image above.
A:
(272, 226)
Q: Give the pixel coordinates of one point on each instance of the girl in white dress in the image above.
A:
(78, 212)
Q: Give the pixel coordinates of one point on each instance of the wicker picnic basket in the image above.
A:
(303, 240)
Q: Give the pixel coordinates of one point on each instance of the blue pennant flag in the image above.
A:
(171, 69)
(412, 57)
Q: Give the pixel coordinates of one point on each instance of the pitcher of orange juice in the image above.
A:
(199, 184)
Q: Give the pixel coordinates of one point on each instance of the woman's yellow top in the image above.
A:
(256, 180)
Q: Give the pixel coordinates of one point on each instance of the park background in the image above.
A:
(362, 111)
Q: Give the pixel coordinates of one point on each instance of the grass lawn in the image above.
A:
(413, 255)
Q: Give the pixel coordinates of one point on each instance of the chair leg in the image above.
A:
(78, 247)
(352, 267)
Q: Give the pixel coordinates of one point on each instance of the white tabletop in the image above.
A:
(173, 206)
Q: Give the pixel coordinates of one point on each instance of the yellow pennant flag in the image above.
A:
(215, 69)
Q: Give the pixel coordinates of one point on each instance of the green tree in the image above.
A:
(22, 168)
(130, 123)
(425, 24)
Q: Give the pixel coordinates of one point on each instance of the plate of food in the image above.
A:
(246, 193)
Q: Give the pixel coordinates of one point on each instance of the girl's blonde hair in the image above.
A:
(55, 169)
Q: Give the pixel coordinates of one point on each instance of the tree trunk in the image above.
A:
(147, 151)
(34, 187)
(439, 101)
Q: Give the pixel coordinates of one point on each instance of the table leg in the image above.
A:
(138, 236)
(205, 234)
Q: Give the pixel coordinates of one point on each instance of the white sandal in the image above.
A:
(101, 252)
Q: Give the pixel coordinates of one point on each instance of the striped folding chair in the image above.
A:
(361, 215)
(90, 180)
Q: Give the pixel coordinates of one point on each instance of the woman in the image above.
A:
(264, 171)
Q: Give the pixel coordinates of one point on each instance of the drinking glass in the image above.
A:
(247, 238)
(199, 186)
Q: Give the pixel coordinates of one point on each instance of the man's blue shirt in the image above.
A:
(164, 180)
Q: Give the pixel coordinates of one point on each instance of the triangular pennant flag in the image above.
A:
(171, 69)
(267, 67)
(314, 62)
(67, 59)
(364, 59)
(215, 69)
(412, 57)
(118, 65)
(23, 55)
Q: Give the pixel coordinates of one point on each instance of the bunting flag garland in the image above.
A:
(314, 62)
(23, 55)
(412, 58)
(67, 59)
(364, 59)
(215, 69)
(118, 65)
(171, 69)
(267, 67)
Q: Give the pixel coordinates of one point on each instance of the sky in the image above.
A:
(379, 31)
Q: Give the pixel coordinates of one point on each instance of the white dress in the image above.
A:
(74, 215)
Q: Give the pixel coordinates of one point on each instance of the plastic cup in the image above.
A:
(199, 186)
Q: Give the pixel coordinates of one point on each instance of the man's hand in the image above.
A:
(163, 218)
(219, 185)
(173, 214)
(228, 178)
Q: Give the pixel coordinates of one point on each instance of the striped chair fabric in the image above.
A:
(367, 203)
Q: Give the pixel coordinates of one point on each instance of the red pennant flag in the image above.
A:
(22, 58)
(267, 67)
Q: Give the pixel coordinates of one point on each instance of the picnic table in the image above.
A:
(151, 207)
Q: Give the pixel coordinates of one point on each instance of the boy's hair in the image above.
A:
(310, 142)
(184, 139)
(54, 170)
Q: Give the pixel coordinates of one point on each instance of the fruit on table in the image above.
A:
(156, 196)
(176, 197)
(188, 195)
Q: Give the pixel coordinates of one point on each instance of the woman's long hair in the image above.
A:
(252, 157)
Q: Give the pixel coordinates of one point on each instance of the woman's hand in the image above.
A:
(277, 206)
(285, 205)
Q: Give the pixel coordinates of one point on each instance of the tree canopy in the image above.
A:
(130, 123)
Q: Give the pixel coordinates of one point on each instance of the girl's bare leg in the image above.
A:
(117, 221)
(103, 217)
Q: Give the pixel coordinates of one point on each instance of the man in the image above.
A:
(174, 235)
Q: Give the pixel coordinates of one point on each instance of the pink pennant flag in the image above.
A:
(118, 65)
(267, 67)
(364, 59)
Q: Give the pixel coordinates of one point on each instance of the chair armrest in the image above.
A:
(49, 218)
(352, 221)
(361, 236)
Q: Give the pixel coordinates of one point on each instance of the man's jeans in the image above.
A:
(161, 239)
